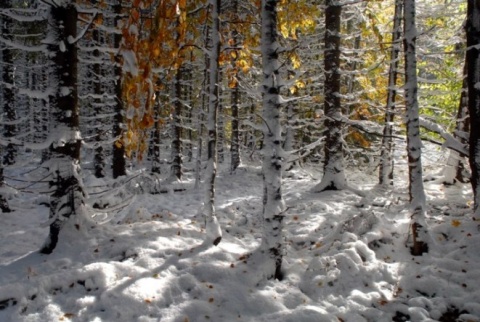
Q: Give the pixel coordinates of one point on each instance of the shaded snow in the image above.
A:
(347, 256)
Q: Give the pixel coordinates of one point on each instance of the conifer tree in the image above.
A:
(67, 200)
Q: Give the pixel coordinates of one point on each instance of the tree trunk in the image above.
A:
(456, 168)
(118, 161)
(67, 199)
(414, 143)
(273, 203)
(473, 65)
(333, 175)
(8, 76)
(214, 232)
(176, 168)
(7, 89)
(234, 101)
(3, 201)
(98, 106)
(386, 158)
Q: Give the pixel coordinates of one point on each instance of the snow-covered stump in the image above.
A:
(414, 143)
(214, 232)
(273, 203)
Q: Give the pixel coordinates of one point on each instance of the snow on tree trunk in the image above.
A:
(156, 139)
(234, 100)
(3, 201)
(67, 200)
(8, 76)
(7, 93)
(214, 232)
(176, 128)
(118, 159)
(473, 65)
(98, 107)
(456, 169)
(273, 203)
(220, 124)
(414, 143)
(386, 158)
(333, 175)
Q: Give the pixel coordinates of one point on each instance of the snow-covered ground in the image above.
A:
(347, 255)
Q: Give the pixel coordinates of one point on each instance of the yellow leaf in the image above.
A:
(455, 223)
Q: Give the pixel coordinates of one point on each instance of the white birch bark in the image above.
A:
(414, 143)
(213, 229)
(273, 203)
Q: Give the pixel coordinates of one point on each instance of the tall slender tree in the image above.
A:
(414, 143)
(118, 158)
(8, 76)
(235, 97)
(473, 80)
(214, 232)
(273, 202)
(386, 158)
(333, 170)
(67, 200)
(456, 168)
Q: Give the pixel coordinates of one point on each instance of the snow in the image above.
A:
(347, 256)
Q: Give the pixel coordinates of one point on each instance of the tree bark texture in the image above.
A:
(118, 161)
(334, 175)
(68, 196)
(386, 158)
(214, 233)
(473, 65)
(273, 202)
(414, 143)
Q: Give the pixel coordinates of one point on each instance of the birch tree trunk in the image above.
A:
(386, 158)
(273, 203)
(473, 65)
(414, 143)
(333, 172)
(67, 200)
(214, 232)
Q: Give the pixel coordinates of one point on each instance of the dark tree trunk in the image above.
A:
(3, 201)
(334, 175)
(473, 80)
(234, 100)
(177, 160)
(98, 105)
(386, 158)
(118, 161)
(456, 169)
(8, 73)
(68, 195)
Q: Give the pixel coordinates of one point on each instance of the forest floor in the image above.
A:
(347, 255)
